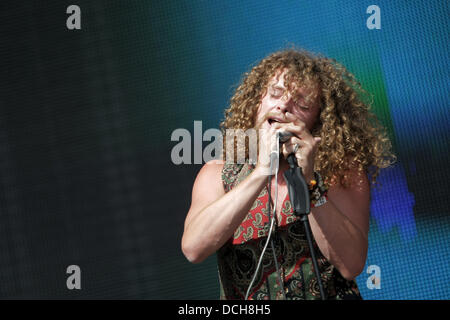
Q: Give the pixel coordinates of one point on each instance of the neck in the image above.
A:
(284, 165)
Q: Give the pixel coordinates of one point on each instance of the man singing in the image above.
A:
(339, 146)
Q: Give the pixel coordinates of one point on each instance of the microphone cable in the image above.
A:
(273, 156)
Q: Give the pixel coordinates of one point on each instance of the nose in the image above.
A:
(282, 107)
(284, 103)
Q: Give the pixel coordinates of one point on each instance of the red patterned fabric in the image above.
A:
(237, 258)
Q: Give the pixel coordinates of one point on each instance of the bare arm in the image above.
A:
(215, 215)
(341, 226)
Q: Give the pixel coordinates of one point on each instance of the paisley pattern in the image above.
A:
(237, 259)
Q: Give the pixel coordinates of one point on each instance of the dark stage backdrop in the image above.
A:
(86, 118)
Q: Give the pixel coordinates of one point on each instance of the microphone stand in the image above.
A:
(299, 196)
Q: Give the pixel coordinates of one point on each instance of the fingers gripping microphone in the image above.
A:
(284, 136)
(295, 179)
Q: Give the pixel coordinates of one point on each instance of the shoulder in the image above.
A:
(358, 187)
(209, 178)
(353, 200)
(211, 169)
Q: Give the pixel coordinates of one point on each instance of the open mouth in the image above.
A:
(271, 121)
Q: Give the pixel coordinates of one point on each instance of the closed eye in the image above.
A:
(301, 106)
(276, 92)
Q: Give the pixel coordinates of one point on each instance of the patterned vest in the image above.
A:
(238, 258)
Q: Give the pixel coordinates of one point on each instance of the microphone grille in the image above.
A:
(284, 136)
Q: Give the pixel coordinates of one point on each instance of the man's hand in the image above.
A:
(307, 144)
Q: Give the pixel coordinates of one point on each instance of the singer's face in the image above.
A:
(277, 102)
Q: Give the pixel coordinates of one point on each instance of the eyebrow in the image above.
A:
(275, 86)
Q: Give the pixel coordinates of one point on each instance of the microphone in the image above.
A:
(284, 136)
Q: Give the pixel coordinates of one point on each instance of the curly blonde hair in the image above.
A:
(352, 136)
